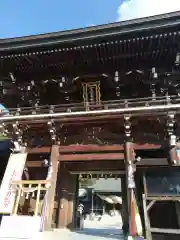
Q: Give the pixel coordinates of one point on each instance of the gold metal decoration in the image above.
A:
(91, 92)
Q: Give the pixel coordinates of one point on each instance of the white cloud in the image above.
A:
(131, 9)
(92, 25)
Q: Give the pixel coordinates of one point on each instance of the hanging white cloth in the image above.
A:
(49, 174)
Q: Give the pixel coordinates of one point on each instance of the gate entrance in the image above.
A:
(98, 204)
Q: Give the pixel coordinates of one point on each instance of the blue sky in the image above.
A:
(25, 17)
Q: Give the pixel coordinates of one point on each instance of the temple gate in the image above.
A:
(103, 99)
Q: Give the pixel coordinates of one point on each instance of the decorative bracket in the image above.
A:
(154, 77)
(3, 130)
(52, 130)
(173, 157)
(177, 61)
(17, 137)
(127, 127)
(170, 129)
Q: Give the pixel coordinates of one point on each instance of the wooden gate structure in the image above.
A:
(103, 98)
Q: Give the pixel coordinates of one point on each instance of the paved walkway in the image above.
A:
(86, 234)
(108, 228)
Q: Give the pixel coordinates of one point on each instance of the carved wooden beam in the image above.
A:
(82, 157)
(93, 148)
(92, 157)
(96, 165)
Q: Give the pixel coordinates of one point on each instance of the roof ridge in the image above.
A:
(93, 28)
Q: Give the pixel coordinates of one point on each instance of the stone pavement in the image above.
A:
(86, 234)
(109, 228)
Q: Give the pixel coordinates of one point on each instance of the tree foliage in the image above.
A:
(86, 182)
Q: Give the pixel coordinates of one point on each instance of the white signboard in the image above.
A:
(13, 172)
(19, 227)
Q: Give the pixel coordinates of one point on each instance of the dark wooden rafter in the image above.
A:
(102, 50)
(49, 57)
(149, 37)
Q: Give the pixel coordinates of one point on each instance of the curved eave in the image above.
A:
(119, 28)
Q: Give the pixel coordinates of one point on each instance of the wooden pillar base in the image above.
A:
(67, 193)
(63, 209)
(63, 199)
(71, 201)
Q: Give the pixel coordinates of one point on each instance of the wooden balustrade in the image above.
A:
(29, 189)
(111, 104)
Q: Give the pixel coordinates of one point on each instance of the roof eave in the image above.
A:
(118, 28)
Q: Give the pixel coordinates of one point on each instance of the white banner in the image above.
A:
(13, 172)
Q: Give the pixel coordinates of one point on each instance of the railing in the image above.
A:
(63, 113)
(29, 189)
(112, 104)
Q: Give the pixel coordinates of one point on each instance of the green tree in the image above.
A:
(86, 182)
